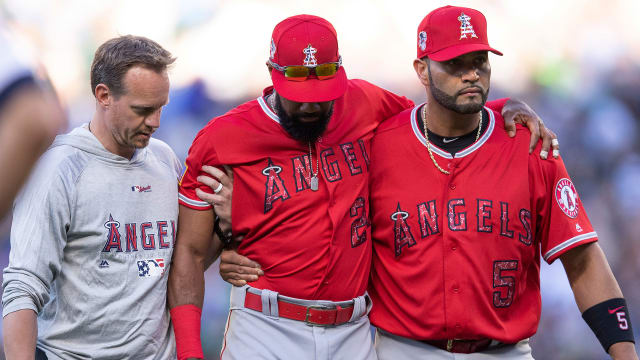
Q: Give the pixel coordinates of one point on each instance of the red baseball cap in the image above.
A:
(451, 31)
(309, 41)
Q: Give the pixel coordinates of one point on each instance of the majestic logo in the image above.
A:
(567, 197)
(422, 40)
(310, 59)
(150, 267)
(139, 188)
(272, 52)
(465, 27)
(103, 264)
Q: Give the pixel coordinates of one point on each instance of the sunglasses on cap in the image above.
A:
(301, 72)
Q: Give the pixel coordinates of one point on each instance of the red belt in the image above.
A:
(465, 346)
(314, 315)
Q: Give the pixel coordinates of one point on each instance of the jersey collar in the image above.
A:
(265, 108)
(436, 150)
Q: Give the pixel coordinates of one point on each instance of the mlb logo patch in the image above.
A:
(150, 267)
(140, 188)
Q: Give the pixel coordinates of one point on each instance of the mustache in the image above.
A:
(473, 87)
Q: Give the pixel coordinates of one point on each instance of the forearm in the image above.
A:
(19, 331)
(590, 276)
(186, 278)
(596, 291)
(214, 252)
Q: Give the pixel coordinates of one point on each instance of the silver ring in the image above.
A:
(218, 189)
(555, 142)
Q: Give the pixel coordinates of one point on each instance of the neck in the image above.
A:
(100, 130)
(448, 123)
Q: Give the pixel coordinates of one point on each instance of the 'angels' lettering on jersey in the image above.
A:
(332, 165)
(146, 240)
(457, 220)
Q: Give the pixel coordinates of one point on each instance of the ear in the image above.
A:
(103, 95)
(422, 70)
(269, 67)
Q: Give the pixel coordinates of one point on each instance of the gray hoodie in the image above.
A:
(91, 244)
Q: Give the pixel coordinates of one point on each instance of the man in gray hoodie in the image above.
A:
(94, 229)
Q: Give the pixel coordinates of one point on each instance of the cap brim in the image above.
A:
(455, 51)
(310, 90)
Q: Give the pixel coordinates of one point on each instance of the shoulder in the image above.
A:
(359, 86)
(161, 149)
(163, 152)
(234, 120)
(55, 174)
(402, 119)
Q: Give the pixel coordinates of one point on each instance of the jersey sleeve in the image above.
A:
(202, 152)
(392, 104)
(562, 220)
(497, 105)
(41, 215)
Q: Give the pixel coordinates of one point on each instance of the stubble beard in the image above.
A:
(449, 101)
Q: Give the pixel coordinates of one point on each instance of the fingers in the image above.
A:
(213, 199)
(220, 175)
(510, 125)
(555, 144)
(231, 257)
(229, 172)
(533, 124)
(237, 269)
(210, 182)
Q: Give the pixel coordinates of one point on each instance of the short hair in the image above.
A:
(116, 56)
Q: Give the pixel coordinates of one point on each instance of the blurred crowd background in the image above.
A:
(576, 63)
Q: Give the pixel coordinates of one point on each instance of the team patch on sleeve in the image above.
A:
(567, 197)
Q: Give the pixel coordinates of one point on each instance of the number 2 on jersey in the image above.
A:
(505, 285)
(358, 235)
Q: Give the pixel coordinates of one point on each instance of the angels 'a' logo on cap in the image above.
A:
(465, 27)
(272, 52)
(567, 197)
(422, 40)
(310, 59)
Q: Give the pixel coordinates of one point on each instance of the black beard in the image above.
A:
(305, 132)
(449, 101)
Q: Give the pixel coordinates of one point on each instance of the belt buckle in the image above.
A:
(318, 307)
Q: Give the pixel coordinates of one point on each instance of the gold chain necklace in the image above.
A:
(314, 175)
(426, 137)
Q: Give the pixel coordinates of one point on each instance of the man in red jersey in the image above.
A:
(461, 214)
(300, 157)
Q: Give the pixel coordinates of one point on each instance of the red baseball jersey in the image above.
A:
(310, 244)
(458, 256)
